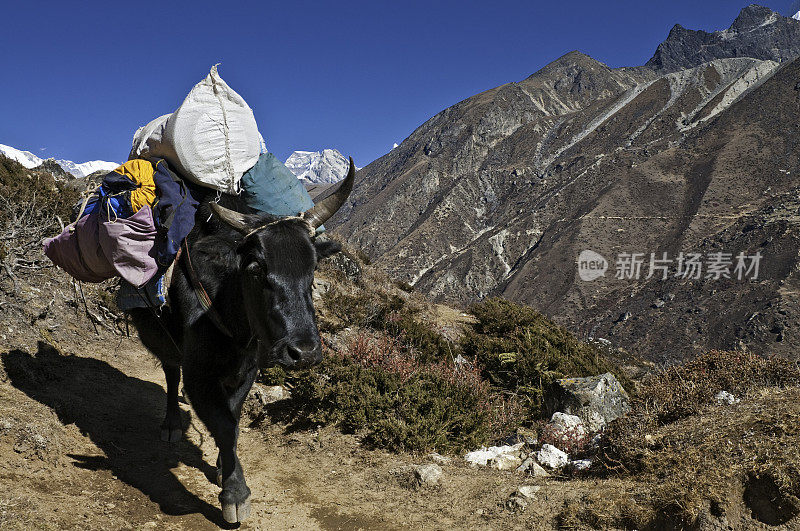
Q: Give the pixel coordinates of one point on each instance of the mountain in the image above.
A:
(500, 194)
(757, 32)
(318, 167)
(29, 160)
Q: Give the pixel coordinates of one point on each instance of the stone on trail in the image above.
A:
(533, 468)
(552, 457)
(505, 462)
(597, 400)
(428, 475)
(482, 456)
(528, 491)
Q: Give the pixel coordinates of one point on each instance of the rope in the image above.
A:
(300, 217)
(228, 165)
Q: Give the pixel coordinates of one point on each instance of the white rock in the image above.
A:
(482, 456)
(267, 394)
(581, 464)
(528, 491)
(564, 424)
(552, 457)
(533, 468)
(724, 397)
(428, 475)
(505, 462)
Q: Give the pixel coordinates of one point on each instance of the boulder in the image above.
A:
(533, 468)
(581, 464)
(482, 456)
(564, 424)
(724, 397)
(528, 491)
(428, 475)
(505, 462)
(597, 400)
(552, 457)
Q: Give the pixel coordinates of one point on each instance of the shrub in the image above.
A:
(377, 388)
(430, 345)
(368, 309)
(523, 352)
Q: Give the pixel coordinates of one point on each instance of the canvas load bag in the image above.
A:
(211, 139)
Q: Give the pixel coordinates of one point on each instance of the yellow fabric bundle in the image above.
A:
(141, 172)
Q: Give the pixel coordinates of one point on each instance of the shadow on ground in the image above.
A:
(121, 415)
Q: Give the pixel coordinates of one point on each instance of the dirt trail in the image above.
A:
(79, 449)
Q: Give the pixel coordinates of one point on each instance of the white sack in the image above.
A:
(212, 139)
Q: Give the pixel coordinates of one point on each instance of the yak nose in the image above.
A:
(302, 355)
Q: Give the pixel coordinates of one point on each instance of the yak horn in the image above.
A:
(322, 211)
(230, 217)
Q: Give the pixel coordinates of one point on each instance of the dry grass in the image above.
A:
(680, 460)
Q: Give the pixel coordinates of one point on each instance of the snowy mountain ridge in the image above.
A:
(318, 167)
(79, 170)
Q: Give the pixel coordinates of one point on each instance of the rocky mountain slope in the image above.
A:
(79, 170)
(318, 167)
(757, 32)
(500, 193)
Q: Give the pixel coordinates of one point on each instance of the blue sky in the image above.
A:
(78, 78)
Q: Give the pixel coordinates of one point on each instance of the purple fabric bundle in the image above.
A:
(93, 251)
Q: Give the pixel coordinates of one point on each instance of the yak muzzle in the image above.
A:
(299, 355)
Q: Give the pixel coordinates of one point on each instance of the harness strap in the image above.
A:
(202, 295)
(300, 217)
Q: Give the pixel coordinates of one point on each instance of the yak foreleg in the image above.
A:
(171, 428)
(217, 400)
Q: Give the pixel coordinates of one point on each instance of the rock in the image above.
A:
(522, 497)
(439, 459)
(552, 457)
(260, 396)
(428, 475)
(482, 456)
(319, 288)
(564, 424)
(528, 491)
(267, 394)
(581, 464)
(597, 400)
(724, 397)
(505, 462)
(533, 468)
(517, 503)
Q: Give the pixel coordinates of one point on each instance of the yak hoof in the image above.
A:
(236, 512)
(171, 436)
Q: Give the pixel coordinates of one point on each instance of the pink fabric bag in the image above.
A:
(128, 246)
(94, 252)
(77, 251)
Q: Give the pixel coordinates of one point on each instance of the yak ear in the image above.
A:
(326, 248)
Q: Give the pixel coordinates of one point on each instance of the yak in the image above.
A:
(239, 298)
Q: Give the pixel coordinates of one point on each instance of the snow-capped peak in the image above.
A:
(26, 158)
(796, 16)
(29, 160)
(326, 166)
